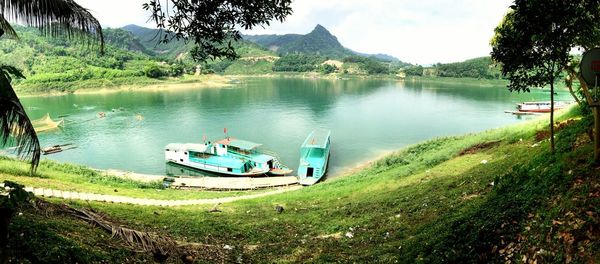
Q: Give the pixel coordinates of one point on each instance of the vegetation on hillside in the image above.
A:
(368, 65)
(297, 63)
(479, 68)
(51, 64)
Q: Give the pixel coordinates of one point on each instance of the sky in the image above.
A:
(421, 32)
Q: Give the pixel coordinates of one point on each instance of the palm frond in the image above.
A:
(55, 18)
(15, 126)
(6, 28)
(136, 240)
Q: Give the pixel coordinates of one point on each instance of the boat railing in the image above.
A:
(277, 159)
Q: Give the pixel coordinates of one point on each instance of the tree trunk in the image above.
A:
(572, 75)
(552, 116)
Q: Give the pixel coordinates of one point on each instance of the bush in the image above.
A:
(153, 71)
(370, 65)
(327, 68)
(297, 63)
(414, 70)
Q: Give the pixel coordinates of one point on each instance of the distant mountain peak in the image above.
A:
(319, 27)
(319, 41)
(321, 30)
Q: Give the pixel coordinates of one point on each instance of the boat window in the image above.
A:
(181, 160)
(229, 169)
(167, 149)
(200, 155)
(185, 153)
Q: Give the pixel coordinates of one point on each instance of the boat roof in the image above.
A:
(238, 143)
(546, 102)
(187, 146)
(261, 158)
(317, 139)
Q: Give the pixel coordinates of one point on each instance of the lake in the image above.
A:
(368, 118)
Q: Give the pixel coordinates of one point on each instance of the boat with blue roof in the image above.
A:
(228, 156)
(314, 157)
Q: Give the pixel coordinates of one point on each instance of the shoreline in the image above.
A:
(220, 81)
(172, 84)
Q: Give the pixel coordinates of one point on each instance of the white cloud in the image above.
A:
(424, 31)
(118, 13)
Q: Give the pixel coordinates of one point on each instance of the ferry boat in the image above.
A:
(314, 156)
(227, 156)
(540, 107)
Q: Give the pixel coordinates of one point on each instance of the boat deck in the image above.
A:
(315, 157)
(233, 183)
(317, 139)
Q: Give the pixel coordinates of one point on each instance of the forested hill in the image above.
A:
(56, 64)
(149, 38)
(126, 40)
(480, 68)
(179, 49)
(318, 42)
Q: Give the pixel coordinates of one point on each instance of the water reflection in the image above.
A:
(172, 169)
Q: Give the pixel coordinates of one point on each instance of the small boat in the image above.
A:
(51, 150)
(540, 107)
(314, 157)
(227, 156)
(57, 148)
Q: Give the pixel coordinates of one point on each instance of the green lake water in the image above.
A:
(367, 118)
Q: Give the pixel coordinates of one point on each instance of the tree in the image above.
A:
(548, 27)
(213, 24)
(532, 44)
(54, 18)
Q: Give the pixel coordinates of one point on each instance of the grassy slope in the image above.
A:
(66, 177)
(425, 203)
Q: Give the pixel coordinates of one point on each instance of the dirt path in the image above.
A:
(148, 202)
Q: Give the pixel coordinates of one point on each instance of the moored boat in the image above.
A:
(228, 156)
(540, 107)
(314, 157)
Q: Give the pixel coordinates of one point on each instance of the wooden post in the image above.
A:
(596, 111)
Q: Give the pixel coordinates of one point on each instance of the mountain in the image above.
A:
(125, 40)
(177, 49)
(149, 38)
(318, 42)
(380, 56)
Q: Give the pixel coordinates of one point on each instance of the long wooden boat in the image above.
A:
(228, 156)
(314, 157)
(540, 107)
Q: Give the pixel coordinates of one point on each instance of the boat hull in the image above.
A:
(538, 110)
(217, 170)
(279, 172)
